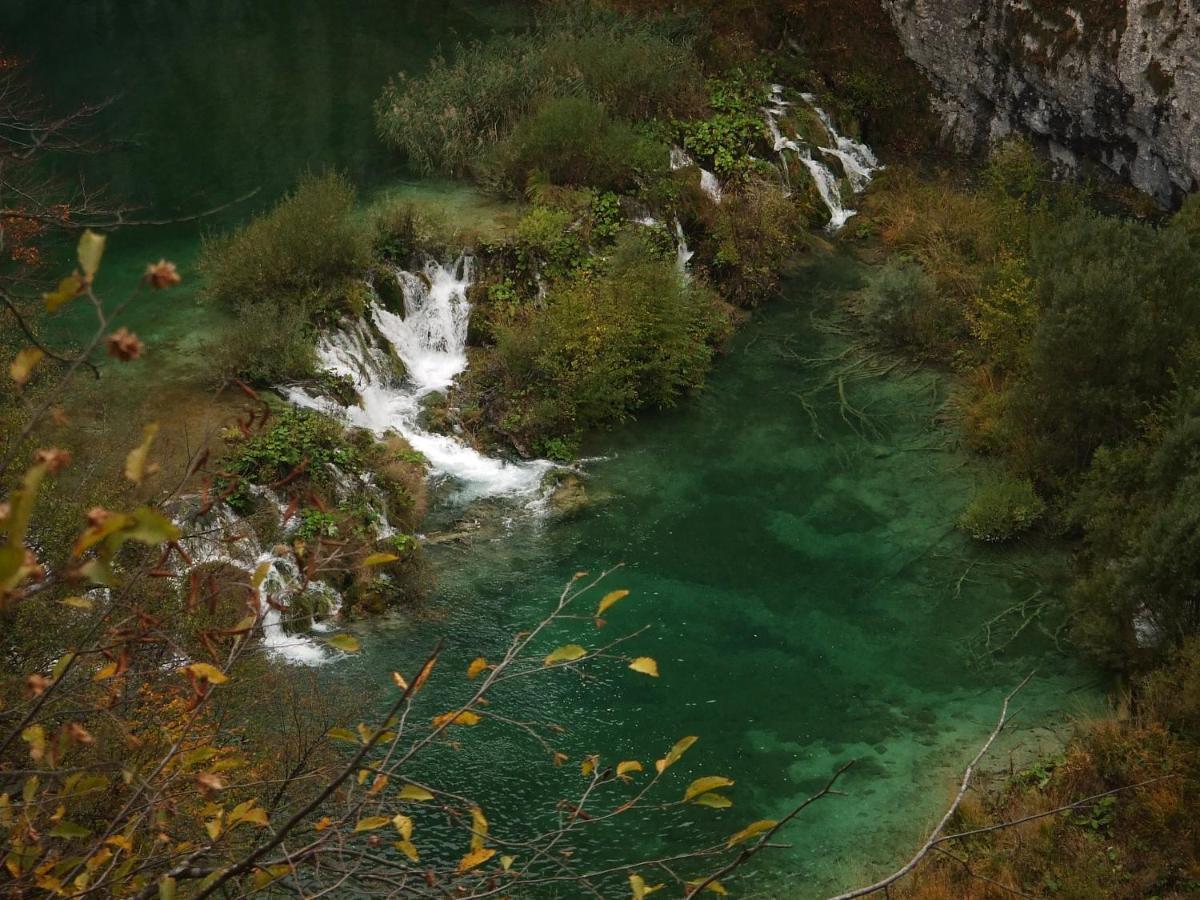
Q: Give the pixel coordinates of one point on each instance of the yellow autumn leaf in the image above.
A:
(322, 823)
(105, 672)
(629, 765)
(409, 850)
(68, 289)
(714, 801)
(135, 461)
(263, 877)
(714, 887)
(400, 682)
(463, 717)
(639, 887)
(379, 559)
(414, 793)
(675, 753)
(344, 642)
(474, 859)
(22, 365)
(371, 823)
(477, 665)
(90, 251)
(608, 600)
(565, 654)
(404, 825)
(706, 784)
(78, 602)
(752, 830)
(645, 665)
(588, 766)
(479, 828)
(206, 672)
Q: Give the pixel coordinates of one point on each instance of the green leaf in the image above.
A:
(91, 251)
(344, 642)
(343, 734)
(379, 559)
(69, 830)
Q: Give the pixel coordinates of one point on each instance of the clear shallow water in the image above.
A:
(802, 600)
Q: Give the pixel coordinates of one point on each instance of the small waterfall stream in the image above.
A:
(430, 340)
(858, 161)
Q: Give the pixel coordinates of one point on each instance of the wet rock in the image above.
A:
(570, 497)
(1114, 83)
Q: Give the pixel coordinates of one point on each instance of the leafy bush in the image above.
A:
(284, 272)
(897, 303)
(756, 233)
(1003, 317)
(448, 118)
(1001, 509)
(631, 335)
(1119, 300)
(728, 139)
(303, 248)
(574, 141)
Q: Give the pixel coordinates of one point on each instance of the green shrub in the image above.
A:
(574, 141)
(451, 116)
(757, 232)
(303, 248)
(1002, 508)
(1119, 301)
(284, 273)
(899, 304)
(1015, 170)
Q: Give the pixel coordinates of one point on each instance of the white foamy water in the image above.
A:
(709, 182)
(858, 161)
(430, 339)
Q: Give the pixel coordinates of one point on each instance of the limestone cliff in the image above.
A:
(1115, 81)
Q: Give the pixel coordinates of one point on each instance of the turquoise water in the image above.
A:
(804, 605)
(807, 595)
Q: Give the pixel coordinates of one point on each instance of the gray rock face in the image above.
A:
(1115, 81)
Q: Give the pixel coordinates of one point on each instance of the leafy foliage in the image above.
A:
(299, 264)
(1001, 509)
(449, 118)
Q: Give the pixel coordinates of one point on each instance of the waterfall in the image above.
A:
(430, 340)
(858, 161)
(683, 254)
(709, 183)
(233, 542)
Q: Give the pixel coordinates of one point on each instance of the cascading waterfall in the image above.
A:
(709, 183)
(214, 546)
(430, 340)
(858, 161)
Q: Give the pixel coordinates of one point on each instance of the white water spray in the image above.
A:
(709, 182)
(430, 340)
(858, 161)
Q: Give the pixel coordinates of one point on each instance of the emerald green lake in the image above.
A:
(807, 595)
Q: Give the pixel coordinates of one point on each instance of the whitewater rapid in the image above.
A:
(430, 340)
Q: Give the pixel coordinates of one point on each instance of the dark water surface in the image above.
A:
(808, 598)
